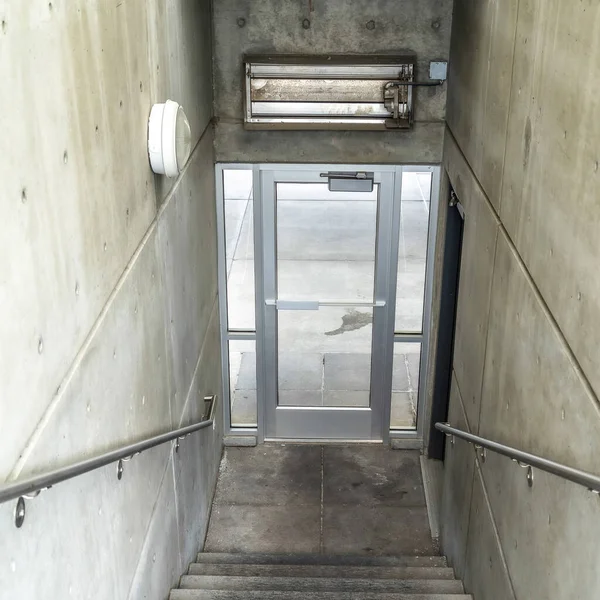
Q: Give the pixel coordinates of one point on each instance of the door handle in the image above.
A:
(316, 304)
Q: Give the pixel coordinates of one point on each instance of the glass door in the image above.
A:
(327, 258)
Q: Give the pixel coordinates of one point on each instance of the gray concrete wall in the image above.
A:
(336, 26)
(108, 292)
(522, 154)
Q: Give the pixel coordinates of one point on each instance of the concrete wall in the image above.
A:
(108, 293)
(522, 154)
(336, 26)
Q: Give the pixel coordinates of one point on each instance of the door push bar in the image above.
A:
(316, 304)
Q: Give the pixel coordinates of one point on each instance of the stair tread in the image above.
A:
(320, 559)
(335, 584)
(195, 594)
(346, 571)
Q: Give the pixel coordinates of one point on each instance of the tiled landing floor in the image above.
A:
(328, 499)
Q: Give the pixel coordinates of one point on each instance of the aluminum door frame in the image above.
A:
(413, 438)
(345, 423)
(405, 438)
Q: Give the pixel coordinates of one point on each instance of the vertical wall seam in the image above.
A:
(149, 525)
(508, 116)
(487, 332)
(494, 526)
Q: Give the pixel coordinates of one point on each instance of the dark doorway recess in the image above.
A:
(445, 343)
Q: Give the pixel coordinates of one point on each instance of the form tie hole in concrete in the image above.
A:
(4, 26)
(105, 246)
(370, 25)
(121, 104)
(65, 157)
(596, 167)
(40, 345)
(77, 288)
(436, 24)
(24, 195)
(241, 22)
(306, 24)
(50, 6)
(141, 87)
(97, 128)
(579, 296)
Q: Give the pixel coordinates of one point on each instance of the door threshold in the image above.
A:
(320, 441)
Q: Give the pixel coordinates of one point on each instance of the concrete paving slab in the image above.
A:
(347, 371)
(244, 408)
(326, 280)
(245, 528)
(244, 249)
(403, 414)
(320, 230)
(273, 475)
(411, 190)
(400, 378)
(240, 295)
(237, 184)
(300, 371)
(346, 398)
(330, 329)
(247, 375)
(300, 398)
(384, 530)
(371, 476)
(235, 211)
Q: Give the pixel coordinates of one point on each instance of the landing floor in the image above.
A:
(328, 499)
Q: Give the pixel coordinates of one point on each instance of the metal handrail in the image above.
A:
(32, 486)
(588, 480)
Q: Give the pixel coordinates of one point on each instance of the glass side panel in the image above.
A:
(242, 383)
(405, 385)
(239, 239)
(325, 243)
(324, 357)
(412, 251)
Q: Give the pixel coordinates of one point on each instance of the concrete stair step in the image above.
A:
(345, 571)
(191, 594)
(321, 559)
(322, 584)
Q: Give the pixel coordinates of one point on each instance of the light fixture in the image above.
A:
(169, 138)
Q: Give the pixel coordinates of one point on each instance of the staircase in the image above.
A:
(318, 577)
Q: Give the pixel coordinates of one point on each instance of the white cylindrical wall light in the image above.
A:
(169, 138)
